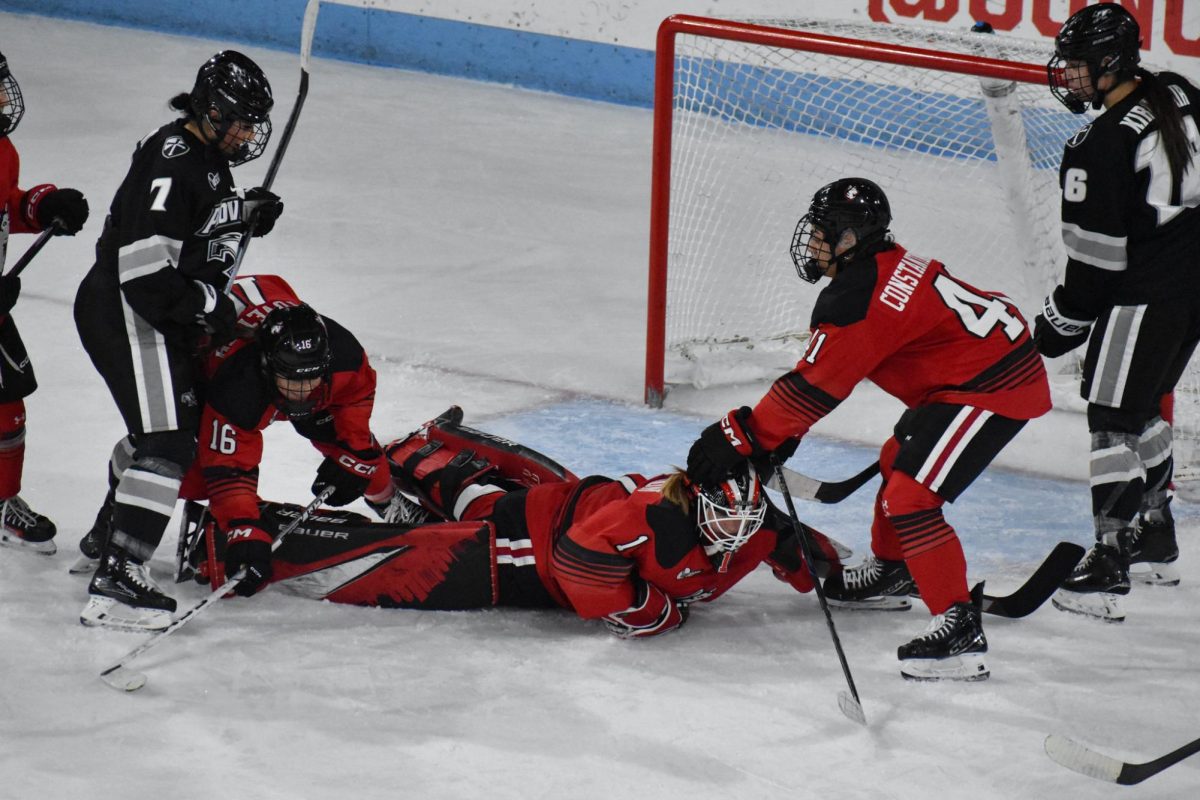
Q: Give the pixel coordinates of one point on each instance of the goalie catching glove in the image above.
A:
(653, 612)
(721, 446)
(248, 548)
(1058, 330)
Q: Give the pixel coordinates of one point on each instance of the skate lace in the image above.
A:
(864, 574)
(401, 510)
(940, 626)
(18, 513)
(140, 575)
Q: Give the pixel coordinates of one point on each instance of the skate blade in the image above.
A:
(84, 566)
(885, 603)
(1096, 605)
(105, 612)
(46, 548)
(1154, 574)
(965, 667)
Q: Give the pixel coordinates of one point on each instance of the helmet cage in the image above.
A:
(13, 106)
(729, 513)
(1106, 39)
(232, 92)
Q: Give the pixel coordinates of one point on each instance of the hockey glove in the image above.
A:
(347, 486)
(10, 290)
(248, 548)
(45, 203)
(720, 447)
(262, 207)
(217, 315)
(653, 612)
(1058, 330)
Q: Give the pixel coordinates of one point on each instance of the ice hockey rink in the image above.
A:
(488, 246)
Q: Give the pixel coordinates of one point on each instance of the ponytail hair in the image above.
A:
(676, 491)
(181, 102)
(1170, 123)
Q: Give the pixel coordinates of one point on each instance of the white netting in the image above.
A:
(970, 166)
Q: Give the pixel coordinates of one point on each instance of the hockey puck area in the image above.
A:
(123, 680)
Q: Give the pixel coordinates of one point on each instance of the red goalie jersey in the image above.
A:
(918, 333)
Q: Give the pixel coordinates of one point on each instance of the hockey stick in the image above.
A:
(308, 28)
(1086, 761)
(120, 677)
(34, 249)
(849, 703)
(1043, 583)
(807, 488)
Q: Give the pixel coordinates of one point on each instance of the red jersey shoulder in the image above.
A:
(255, 296)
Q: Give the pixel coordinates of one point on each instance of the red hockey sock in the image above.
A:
(12, 447)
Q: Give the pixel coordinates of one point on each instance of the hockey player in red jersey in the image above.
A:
(22, 211)
(1131, 290)
(962, 361)
(511, 527)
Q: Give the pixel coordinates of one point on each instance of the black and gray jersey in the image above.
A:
(173, 222)
(1132, 231)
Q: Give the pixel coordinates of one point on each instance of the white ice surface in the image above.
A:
(488, 246)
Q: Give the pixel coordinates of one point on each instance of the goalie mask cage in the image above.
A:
(751, 118)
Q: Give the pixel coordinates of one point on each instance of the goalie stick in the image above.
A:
(1039, 587)
(1086, 761)
(807, 488)
(120, 677)
(308, 28)
(34, 249)
(848, 702)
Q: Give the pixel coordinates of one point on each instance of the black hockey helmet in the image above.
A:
(848, 204)
(12, 106)
(1106, 38)
(295, 346)
(234, 87)
(728, 513)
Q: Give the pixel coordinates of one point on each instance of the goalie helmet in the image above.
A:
(848, 204)
(1103, 37)
(12, 106)
(295, 347)
(729, 513)
(231, 91)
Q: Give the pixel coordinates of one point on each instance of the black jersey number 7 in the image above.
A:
(979, 314)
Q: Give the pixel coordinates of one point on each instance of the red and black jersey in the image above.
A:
(13, 217)
(593, 540)
(241, 401)
(920, 334)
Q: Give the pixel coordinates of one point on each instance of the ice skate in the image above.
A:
(124, 596)
(1153, 550)
(951, 648)
(399, 510)
(873, 585)
(93, 542)
(1096, 584)
(24, 529)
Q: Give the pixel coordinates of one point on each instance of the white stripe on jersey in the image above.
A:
(1095, 249)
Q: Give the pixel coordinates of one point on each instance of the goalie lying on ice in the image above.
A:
(502, 525)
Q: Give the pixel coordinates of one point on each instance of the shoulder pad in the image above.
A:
(238, 390)
(674, 534)
(348, 354)
(848, 296)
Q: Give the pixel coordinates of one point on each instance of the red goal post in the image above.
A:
(765, 41)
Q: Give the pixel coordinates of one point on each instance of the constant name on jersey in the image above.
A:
(903, 280)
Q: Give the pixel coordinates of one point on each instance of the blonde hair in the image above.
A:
(677, 491)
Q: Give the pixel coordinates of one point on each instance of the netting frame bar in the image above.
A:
(664, 107)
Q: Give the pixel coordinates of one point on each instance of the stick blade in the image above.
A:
(1075, 756)
(851, 708)
(123, 679)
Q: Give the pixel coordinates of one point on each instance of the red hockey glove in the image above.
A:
(248, 547)
(720, 447)
(653, 612)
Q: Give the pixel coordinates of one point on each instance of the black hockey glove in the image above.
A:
(262, 207)
(217, 316)
(347, 486)
(721, 446)
(249, 549)
(46, 203)
(10, 290)
(1058, 330)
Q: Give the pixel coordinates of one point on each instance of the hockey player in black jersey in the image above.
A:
(1131, 224)
(152, 303)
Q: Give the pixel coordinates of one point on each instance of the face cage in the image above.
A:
(249, 149)
(808, 268)
(298, 409)
(1075, 101)
(713, 518)
(14, 107)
